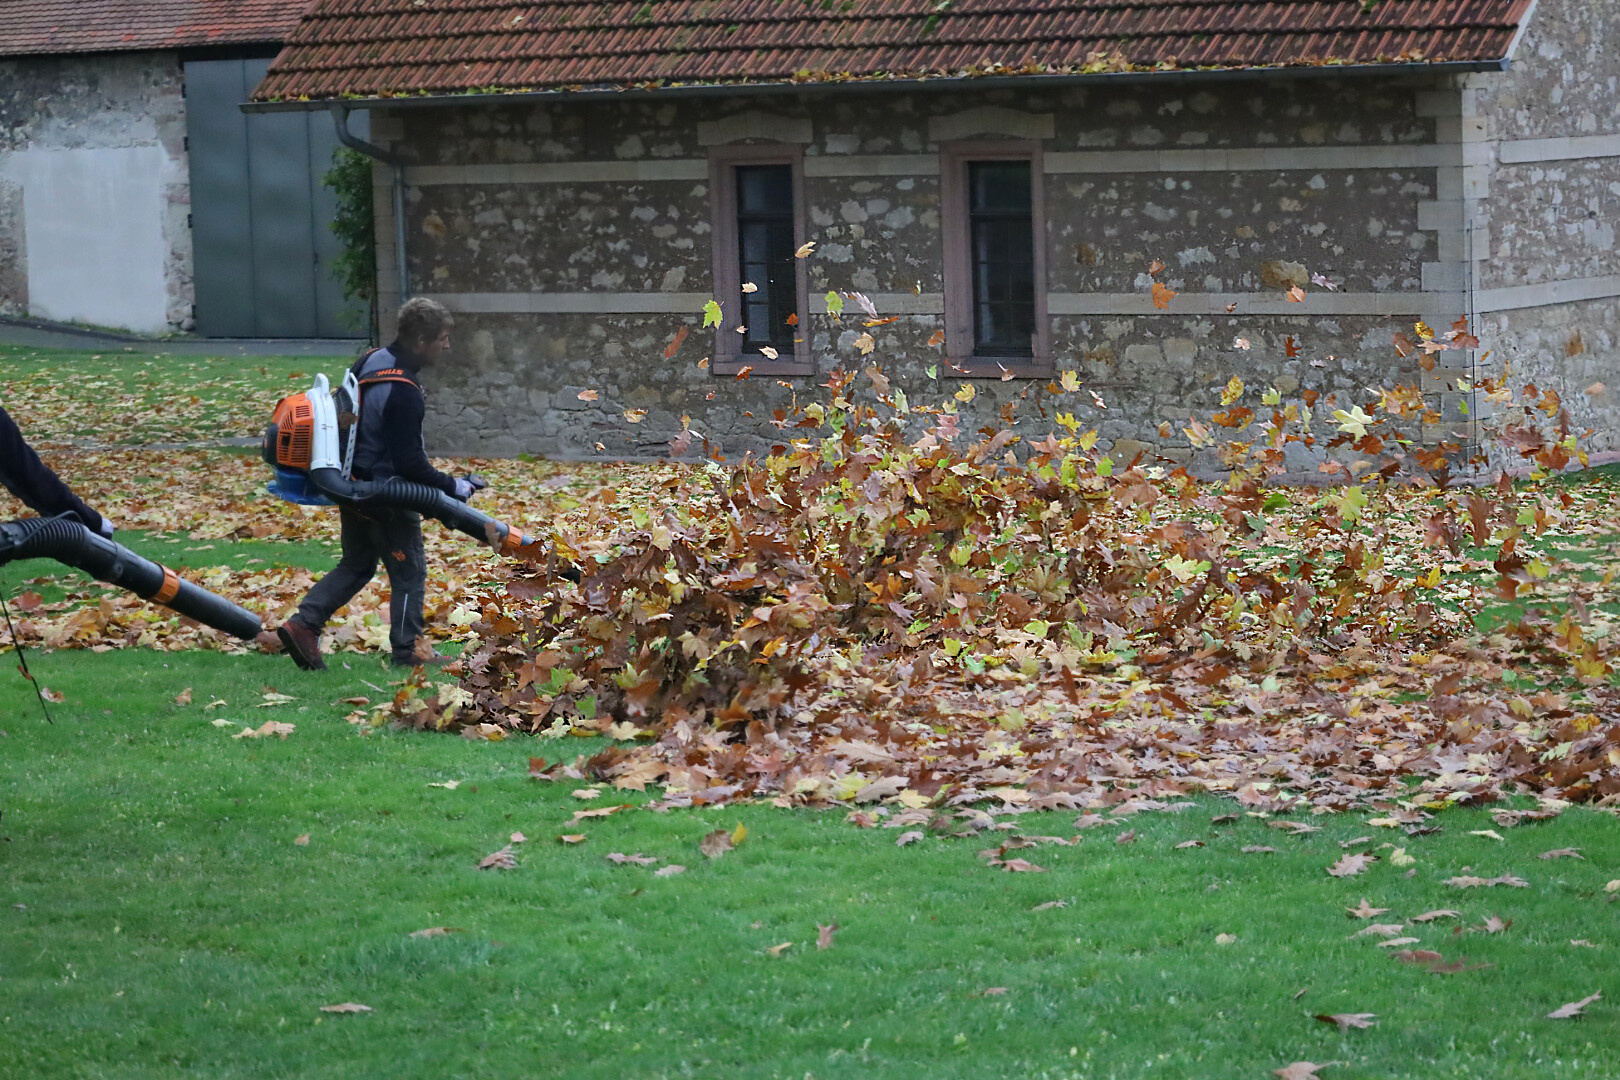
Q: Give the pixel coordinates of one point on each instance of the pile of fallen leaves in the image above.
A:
(889, 608)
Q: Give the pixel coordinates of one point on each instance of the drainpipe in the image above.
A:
(340, 120)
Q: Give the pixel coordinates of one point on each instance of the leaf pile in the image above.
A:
(889, 607)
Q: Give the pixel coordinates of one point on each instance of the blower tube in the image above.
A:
(395, 493)
(67, 541)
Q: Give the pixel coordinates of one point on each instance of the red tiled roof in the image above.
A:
(46, 27)
(384, 47)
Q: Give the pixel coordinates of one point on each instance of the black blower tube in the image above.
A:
(67, 541)
(430, 502)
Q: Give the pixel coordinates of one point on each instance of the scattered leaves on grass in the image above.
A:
(1494, 925)
(587, 793)
(1018, 866)
(346, 1007)
(1489, 834)
(434, 931)
(448, 785)
(639, 860)
(1365, 910)
(302, 841)
(1396, 942)
(518, 838)
(716, 843)
(1421, 957)
(1050, 904)
(778, 950)
(1126, 837)
(1562, 853)
(1573, 1008)
(1379, 930)
(1349, 865)
(265, 730)
(1225, 939)
(1470, 882)
(572, 838)
(1189, 844)
(910, 836)
(499, 860)
(824, 935)
(1259, 849)
(1346, 1021)
(183, 697)
(1438, 913)
(1301, 1070)
(600, 811)
(669, 871)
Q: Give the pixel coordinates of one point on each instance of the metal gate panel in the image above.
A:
(261, 219)
(221, 226)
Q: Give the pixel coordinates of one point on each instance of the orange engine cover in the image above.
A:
(294, 420)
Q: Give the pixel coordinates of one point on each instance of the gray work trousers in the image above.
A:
(395, 537)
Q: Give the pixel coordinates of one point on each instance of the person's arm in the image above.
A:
(402, 440)
(28, 478)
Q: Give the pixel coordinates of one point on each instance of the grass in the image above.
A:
(132, 398)
(168, 921)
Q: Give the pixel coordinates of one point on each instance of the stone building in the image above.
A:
(1000, 180)
(135, 195)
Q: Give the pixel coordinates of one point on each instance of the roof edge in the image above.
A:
(924, 85)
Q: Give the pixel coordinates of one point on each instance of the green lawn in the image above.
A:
(157, 915)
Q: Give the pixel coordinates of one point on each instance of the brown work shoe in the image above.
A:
(303, 645)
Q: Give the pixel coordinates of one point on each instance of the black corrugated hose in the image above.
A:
(69, 542)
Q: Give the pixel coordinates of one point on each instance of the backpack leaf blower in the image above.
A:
(67, 541)
(311, 454)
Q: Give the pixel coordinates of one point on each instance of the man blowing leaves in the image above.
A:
(32, 481)
(389, 444)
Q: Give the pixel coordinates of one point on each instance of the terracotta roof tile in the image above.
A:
(384, 47)
(46, 27)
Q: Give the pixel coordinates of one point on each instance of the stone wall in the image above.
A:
(576, 241)
(1548, 282)
(93, 162)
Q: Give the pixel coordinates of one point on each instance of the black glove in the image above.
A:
(476, 482)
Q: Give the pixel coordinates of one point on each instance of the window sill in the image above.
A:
(996, 367)
(733, 365)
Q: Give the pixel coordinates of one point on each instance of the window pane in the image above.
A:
(1000, 185)
(1001, 244)
(765, 189)
(765, 248)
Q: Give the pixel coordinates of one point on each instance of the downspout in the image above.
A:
(340, 120)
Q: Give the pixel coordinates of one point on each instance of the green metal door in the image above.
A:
(260, 219)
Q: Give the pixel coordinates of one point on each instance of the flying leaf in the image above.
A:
(675, 345)
(749, 287)
(1162, 295)
(805, 250)
(572, 838)
(669, 871)
(621, 859)
(1440, 913)
(910, 836)
(635, 416)
(589, 395)
(1346, 1021)
(1379, 930)
(824, 935)
(346, 1007)
(183, 697)
(778, 950)
(302, 841)
(712, 315)
(1365, 910)
(434, 931)
(1562, 853)
(715, 844)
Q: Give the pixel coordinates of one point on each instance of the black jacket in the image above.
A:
(28, 478)
(391, 424)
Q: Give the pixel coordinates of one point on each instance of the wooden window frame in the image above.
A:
(954, 159)
(728, 358)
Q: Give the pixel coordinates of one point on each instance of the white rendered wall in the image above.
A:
(93, 233)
